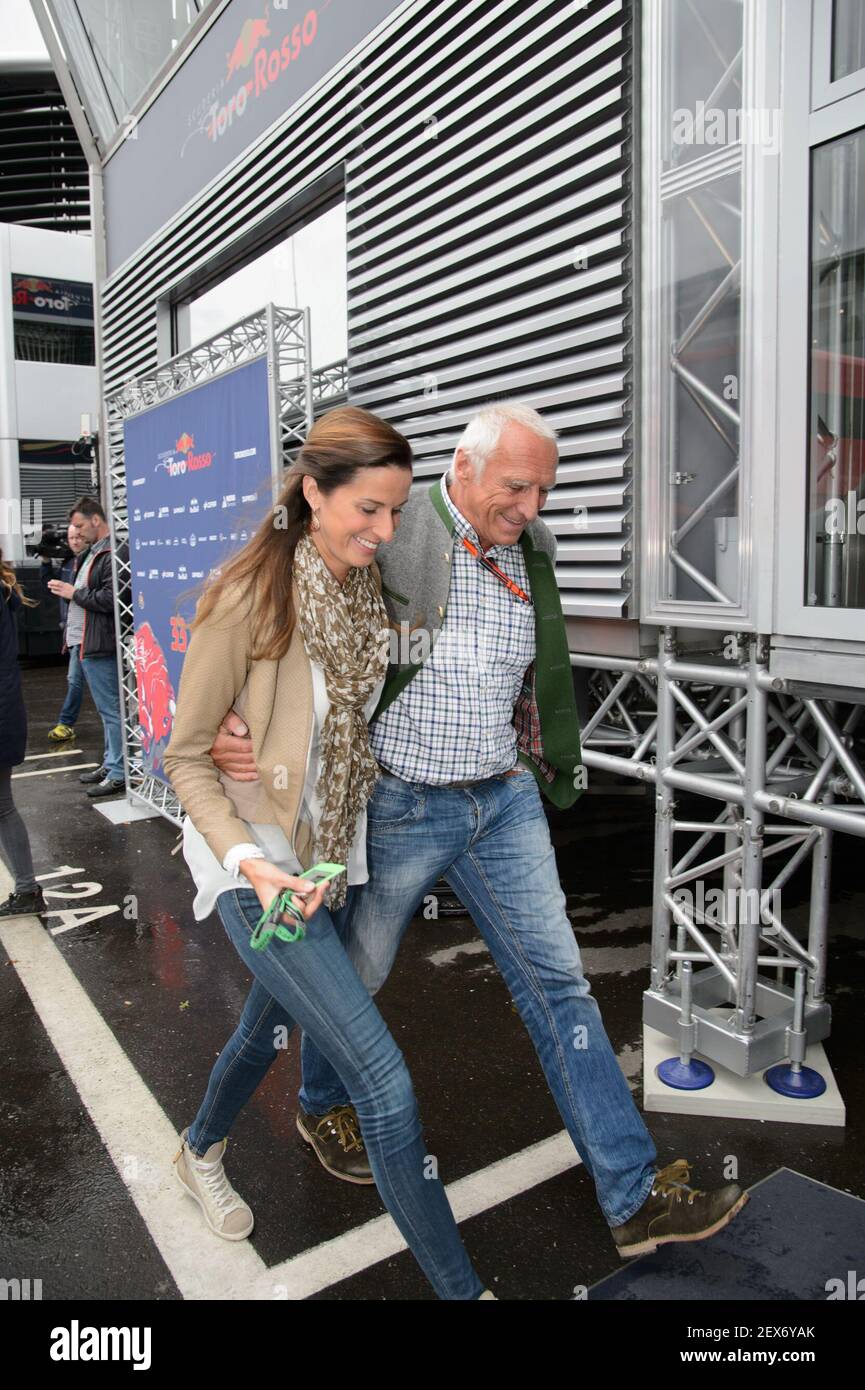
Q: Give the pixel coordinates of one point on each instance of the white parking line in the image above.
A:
(59, 753)
(141, 1142)
(378, 1240)
(52, 771)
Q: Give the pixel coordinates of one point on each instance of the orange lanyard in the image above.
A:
(494, 569)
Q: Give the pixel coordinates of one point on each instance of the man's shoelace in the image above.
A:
(674, 1179)
(343, 1123)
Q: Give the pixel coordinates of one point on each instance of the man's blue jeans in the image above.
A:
(491, 842)
(74, 690)
(101, 675)
(311, 982)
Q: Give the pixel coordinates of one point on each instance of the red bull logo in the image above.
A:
(251, 35)
(178, 466)
(28, 291)
(156, 703)
(267, 63)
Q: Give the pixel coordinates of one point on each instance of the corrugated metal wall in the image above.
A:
(488, 175)
(43, 170)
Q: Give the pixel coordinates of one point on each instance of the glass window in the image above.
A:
(54, 342)
(835, 575)
(701, 260)
(306, 269)
(130, 42)
(704, 78)
(703, 233)
(848, 38)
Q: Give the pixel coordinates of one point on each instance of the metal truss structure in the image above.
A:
(330, 385)
(780, 770)
(280, 334)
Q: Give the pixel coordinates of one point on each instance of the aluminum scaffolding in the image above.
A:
(778, 758)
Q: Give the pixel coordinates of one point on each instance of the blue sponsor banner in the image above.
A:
(198, 472)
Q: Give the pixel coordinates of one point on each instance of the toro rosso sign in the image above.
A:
(253, 55)
(35, 297)
(249, 68)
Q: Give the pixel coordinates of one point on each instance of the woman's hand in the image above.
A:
(268, 880)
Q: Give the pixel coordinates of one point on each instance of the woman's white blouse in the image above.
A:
(211, 878)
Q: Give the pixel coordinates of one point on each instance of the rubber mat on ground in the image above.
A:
(795, 1239)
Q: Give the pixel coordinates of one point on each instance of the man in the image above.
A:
(476, 719)
(64, 729)
(90, 629)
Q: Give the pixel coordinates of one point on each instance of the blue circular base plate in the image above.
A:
(696, 1076)
(801, 1085)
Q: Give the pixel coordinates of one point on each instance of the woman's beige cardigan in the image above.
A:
(274, 698)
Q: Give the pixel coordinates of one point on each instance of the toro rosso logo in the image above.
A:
(254, 64)
(155, 692)
(178, 465)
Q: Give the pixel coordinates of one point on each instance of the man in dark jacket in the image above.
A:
(90, 627)
(67, 570)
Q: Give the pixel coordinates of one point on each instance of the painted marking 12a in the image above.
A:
(74, 916)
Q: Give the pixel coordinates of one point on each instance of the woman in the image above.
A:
(26, 896)
(293, 634)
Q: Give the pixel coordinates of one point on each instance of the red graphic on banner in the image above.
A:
(155, 692)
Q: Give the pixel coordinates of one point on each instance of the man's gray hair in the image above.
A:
(481, 435)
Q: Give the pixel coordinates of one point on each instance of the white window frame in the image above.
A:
(803, 129)
(823, 90)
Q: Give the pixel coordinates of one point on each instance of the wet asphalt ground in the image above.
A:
(171, 990)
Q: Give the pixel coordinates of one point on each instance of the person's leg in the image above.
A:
(313, 981)
(240, 1068)
(101, 673)
(74, 690)
(14, 840)
(509, 881)
(406, 855)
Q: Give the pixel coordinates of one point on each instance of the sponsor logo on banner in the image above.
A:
(176, 466)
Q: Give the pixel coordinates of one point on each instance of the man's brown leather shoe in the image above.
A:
(338, 1143)
(673, 1211)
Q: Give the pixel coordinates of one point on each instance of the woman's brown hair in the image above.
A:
(338, 445)
(9, 582)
